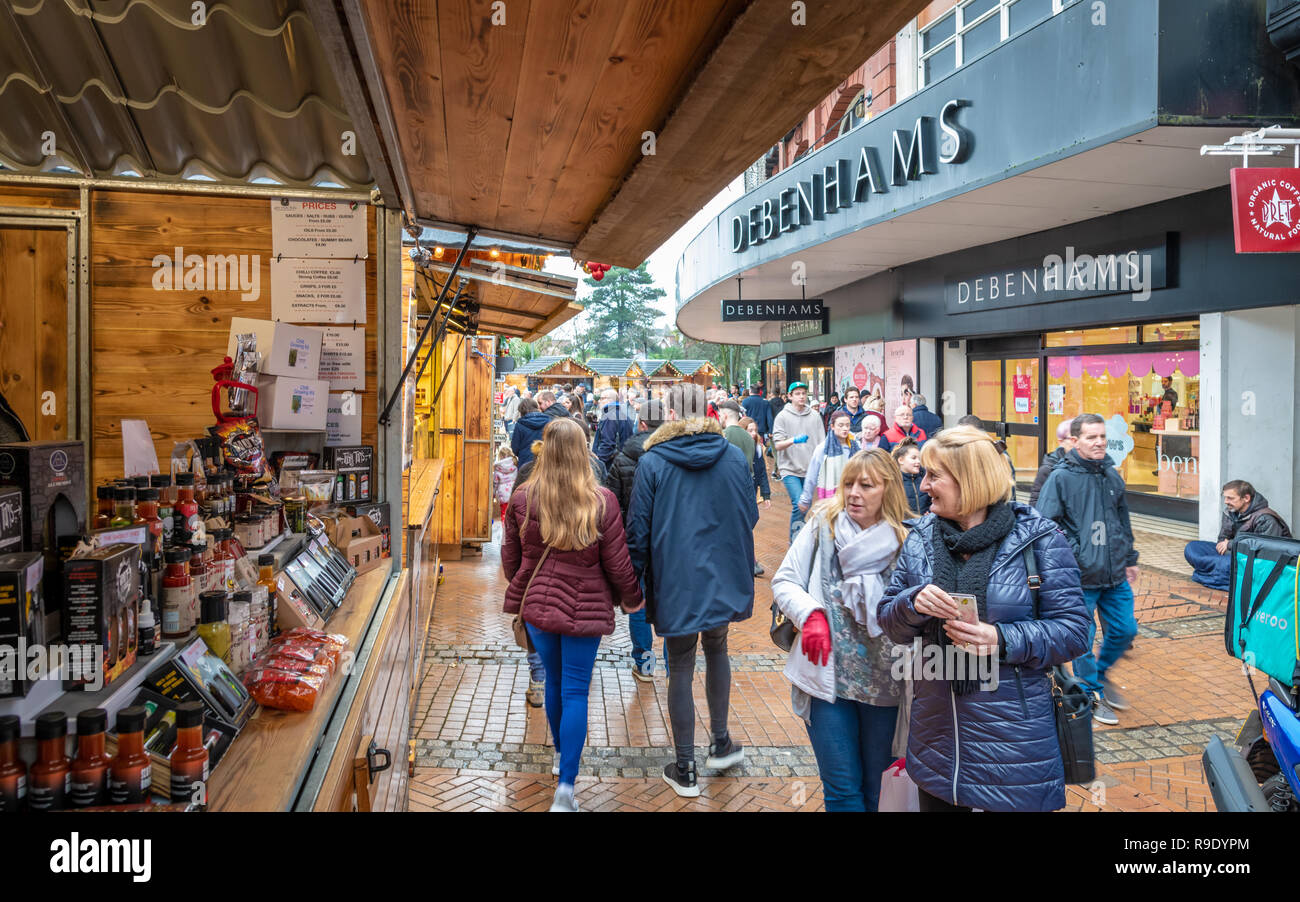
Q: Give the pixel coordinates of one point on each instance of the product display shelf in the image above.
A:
(267, 764)
(49, 695)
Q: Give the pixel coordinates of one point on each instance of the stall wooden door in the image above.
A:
(476, 521)
(34, 333)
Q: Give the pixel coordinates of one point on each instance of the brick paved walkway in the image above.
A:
(480, 747)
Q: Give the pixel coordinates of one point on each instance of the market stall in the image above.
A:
(615, 373)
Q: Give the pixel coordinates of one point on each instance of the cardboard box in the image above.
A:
(52, 479)
(292, 609)
(356, 469)
(291, 403)
(20, 618)
(286, 349)
(379, 514)
(359, 540)
(99, 606)
(11, 520)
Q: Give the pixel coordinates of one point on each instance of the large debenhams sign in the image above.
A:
(845, 182)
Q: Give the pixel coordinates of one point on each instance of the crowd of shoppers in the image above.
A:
(905, 541)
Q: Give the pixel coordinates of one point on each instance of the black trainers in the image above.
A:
(682, 780)
(722, 758)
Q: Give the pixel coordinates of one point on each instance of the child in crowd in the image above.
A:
(503, 477)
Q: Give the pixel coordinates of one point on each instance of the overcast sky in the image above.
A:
(662, 264)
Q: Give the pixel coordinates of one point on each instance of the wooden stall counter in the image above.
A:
(272, 760)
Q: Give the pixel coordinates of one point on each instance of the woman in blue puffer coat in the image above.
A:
(976, 741)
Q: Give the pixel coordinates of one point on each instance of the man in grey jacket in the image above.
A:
(797, 432)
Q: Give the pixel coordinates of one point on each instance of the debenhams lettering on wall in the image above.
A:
(846, 182)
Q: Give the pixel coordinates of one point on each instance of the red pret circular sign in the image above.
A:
(860, 376)
(1266, 210)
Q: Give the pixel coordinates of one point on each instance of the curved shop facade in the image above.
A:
(1037, 235)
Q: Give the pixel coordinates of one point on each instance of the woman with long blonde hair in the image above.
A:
(566, 557)
(841, 664)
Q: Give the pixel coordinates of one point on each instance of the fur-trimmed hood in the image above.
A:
(677, 428)
(695, 444)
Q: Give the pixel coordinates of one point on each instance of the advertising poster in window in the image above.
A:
(900, 375)
(860, 366)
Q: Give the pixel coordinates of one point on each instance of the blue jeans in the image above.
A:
(643, 640)
(574, 659)
(794, 488)
(1211, 568)
(1115, 606)
(852, 742)
(536, 669)
(510, 428)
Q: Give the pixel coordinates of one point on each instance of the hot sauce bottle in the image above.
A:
(176, 594)
(147, 510)
(13, 772)
(186, 510)
(266, 578)
(130, 773)
(52, 773)
(103, 506)
(90, 767)
(224, 557)
(123, 507)
(189, 760)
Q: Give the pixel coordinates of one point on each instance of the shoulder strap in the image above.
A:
(1034, 581)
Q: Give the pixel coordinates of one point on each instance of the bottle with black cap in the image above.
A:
(50, 776)
(189, 760)
(13, 772)
(130, 774)
(214, 629)
(89, 785)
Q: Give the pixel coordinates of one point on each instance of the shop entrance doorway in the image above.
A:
(1004, 394)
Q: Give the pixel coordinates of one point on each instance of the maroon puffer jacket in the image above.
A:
(574, 594)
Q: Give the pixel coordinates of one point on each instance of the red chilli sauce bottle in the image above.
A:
(186, 510)
(131, 771)
(51, 775)
(90, 767)
(189, 760)
(13, 772)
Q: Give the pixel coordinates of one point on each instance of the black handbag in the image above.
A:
(1071, 703)
(783, 631)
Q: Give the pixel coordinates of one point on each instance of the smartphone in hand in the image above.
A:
(967, 607)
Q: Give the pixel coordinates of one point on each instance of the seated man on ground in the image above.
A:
(1244, 511)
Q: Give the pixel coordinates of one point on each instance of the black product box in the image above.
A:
(11, 520)
(99, 605)
(160, 729)
(356, 473)
(194, 674)
(21, 623)
(379, 514)
(51, 477)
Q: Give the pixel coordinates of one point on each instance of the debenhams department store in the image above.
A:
(1037, 235)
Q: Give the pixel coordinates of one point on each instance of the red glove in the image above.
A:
(816, 641)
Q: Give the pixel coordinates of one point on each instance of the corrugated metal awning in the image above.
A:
(151, 89)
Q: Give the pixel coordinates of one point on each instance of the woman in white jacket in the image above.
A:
(841, 665)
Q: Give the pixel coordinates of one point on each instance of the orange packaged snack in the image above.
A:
(282, 689)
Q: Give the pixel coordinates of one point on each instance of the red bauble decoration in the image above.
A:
(598, 275)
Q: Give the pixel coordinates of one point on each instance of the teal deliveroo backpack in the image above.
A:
(1260, 627)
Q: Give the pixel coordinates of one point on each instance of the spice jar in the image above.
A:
(239, 616)
(246, 531)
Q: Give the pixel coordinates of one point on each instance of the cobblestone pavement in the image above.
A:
(479, 746)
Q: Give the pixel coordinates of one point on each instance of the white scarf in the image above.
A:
(864, 554)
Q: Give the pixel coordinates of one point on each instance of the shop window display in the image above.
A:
(1151, 402)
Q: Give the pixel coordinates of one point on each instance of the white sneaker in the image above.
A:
(555, 768)
(564, 800)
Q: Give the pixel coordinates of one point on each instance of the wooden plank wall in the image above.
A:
(34, 328)
(450, 414)
(153, 351)
(477, 517)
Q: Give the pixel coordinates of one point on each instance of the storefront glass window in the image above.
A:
(1151, 402)
(1021, 399)
(1103, 335)
(774, 376)
(1186, 330)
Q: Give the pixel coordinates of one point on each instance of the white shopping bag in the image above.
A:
(897, 791)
